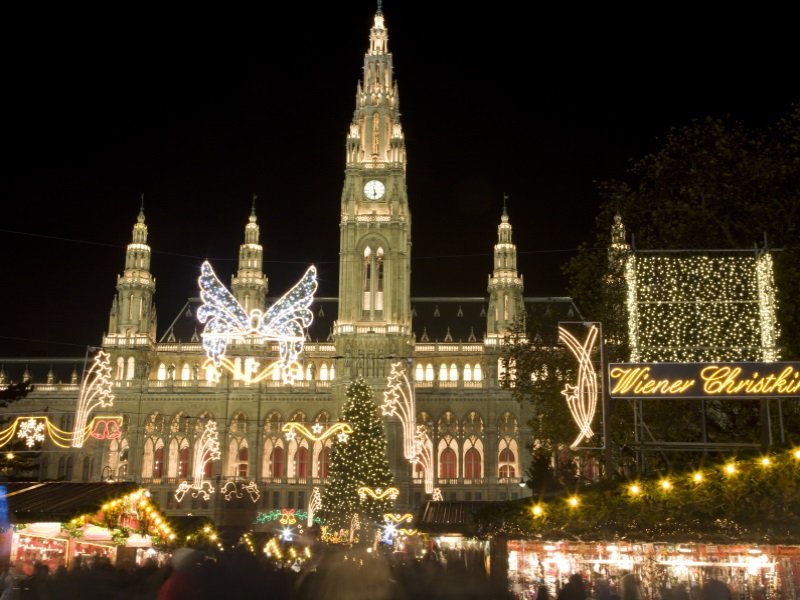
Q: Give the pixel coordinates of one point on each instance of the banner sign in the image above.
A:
(704, 380)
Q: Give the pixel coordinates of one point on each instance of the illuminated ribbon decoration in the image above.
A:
(251, 373)
(95, 391)
(582, 398)
(32, 428)
(390, 493)
(397, 519)
(314, 506)
(205, 451)
(398, 401)
(292, 428)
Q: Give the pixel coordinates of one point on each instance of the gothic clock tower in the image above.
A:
(374, 323)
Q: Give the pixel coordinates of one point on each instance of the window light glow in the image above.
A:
(226, 321)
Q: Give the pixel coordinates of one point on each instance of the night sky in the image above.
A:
(200, 111)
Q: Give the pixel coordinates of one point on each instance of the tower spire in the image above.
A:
(249, 285)
(505, 283)
(132, 310)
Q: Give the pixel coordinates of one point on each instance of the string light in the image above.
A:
(424, 456)
(730, 469)
(634, 489)
(341, 430)
(32, 428)
(226, 321)
(537, 510)
(314, 505)
(573, 501)
(665, 484)
(697, 477)
(390, 493)
(708, 308)
(581, 398)
(398, 401)
(95, 391)
(206, 450)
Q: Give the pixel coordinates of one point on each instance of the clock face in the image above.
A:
(374, 189)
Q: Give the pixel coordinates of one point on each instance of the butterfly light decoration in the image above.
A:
(227, 321)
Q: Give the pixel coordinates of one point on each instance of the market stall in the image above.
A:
(666, 570)
(56, 523)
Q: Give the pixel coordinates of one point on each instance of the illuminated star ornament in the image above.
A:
(205, 451)
(582, 398)
(226, 321)
(424, 456)
(95, 391)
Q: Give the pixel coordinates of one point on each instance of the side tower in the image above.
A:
(505, 287)
(133, 314)
(374, 320)
(249, 285)
(132, 322)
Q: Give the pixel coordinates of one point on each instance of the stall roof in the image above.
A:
(58, 501)
(450, 517)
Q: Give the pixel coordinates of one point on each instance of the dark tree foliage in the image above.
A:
(16, 461)
(14, 392)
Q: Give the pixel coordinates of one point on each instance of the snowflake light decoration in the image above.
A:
(32, 431)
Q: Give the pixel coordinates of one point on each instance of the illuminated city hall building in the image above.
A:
(166, 392)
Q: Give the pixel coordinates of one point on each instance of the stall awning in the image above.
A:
(58, 501)
(450, 517)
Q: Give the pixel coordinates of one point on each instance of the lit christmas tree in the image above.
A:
(361, 461)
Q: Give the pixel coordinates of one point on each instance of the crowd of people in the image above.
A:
(331, 574)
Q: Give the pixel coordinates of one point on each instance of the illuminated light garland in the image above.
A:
(227, 321)
(95, 391)
(397, 518)
(355, 525)
(232, 489)
(292, 428)
(251, 373)
(684, 308)
(437, 495)
(314, 505)
(277, 515)
(206, 450)
(32, 428)
(582, 398)
(106, 428)
(398, 401)
(424, 456)
(288, 516)
(378, 493)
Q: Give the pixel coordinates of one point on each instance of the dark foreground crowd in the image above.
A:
(332, 575)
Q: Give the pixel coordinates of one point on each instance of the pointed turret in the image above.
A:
(249, 285)
(132, 310)
(505, 286)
